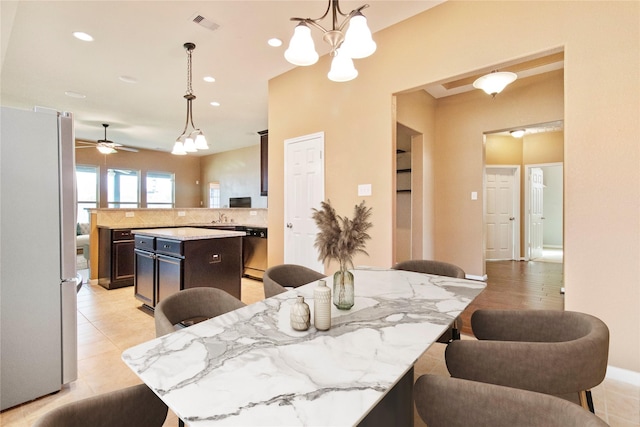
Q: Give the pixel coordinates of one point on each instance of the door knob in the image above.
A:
(289, 225)
(512, 218)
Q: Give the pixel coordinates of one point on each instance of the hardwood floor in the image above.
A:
(518, 285)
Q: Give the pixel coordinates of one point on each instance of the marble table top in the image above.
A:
(249, 367)
(188, 233)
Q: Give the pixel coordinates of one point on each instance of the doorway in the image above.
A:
(540, 150)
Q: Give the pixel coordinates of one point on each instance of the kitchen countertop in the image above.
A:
(188, 233)
(220, 225)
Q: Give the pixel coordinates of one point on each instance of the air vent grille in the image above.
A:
(204, 22)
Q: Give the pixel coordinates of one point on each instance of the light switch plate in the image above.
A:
(181, 213)
(129, 214)
(474, 195)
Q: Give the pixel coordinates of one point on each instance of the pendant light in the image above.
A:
(354, 44)
(194, 140)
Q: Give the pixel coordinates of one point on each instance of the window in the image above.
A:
(160, 190)
(214, 194)
(122, 188)
(87, 191)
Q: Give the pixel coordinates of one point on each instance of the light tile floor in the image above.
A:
(111, 321)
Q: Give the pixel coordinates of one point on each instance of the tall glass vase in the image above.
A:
(343, 289)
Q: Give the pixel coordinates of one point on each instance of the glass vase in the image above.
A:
(343, 289)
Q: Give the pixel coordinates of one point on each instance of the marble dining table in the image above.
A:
(248, 367)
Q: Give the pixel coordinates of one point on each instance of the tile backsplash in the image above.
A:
(140, 218)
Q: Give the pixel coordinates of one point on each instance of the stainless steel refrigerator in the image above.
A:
(38, 302)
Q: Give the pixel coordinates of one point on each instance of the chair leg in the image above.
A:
(586, 400)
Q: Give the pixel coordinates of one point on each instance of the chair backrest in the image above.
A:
(192, 303)
(570, 350)
(426, 266)
(131, 406)
(451, 402)
(278, 277)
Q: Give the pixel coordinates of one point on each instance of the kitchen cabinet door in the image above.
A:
(169, 276)
(145, 277)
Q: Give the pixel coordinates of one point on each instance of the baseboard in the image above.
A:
(473, 277)
(553, 246)
(624, 375)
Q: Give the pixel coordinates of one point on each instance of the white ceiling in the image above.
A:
(41, 60)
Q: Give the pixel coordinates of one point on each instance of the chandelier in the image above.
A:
(494, 82)
(354, 44)
(194, 140)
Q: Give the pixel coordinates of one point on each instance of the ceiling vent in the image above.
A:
(204, 22)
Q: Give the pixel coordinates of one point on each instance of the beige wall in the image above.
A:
(185, 168)
(456, 38)
(237, 171)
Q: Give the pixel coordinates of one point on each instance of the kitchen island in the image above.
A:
(168, 260)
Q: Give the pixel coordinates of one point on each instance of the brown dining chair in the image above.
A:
(131, 406)
(279, 277)
(451, 402)
(438, 268)
(562, 353)
(191, 306)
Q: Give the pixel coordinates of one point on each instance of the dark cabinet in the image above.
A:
(166, 266)
(115, 259)
(264, 162)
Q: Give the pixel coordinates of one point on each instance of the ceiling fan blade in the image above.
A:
(123, 148)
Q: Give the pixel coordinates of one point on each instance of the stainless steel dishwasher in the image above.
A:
(254, 249)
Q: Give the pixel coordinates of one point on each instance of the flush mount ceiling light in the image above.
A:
(194, 140)
(354, 44)
(494, 82)
(519, 133)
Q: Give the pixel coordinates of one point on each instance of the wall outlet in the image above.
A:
(253, 213)
(181, 213)
(364, 190)
(129, 214)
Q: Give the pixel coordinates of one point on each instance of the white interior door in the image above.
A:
(500, 217)
(536, 218)
(304, 190)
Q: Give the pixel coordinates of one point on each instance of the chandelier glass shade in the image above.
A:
(494, 82)
(355, 43)
(192, 140)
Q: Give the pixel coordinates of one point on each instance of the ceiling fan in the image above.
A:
(106, 146)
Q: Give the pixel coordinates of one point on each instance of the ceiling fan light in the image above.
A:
(342, 69)
(358, 42)
(302, 50)
(201, 141)
(494, 82)
(104, 149)
(178, 149)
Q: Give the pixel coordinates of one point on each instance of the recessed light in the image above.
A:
(82, 36)
(128, 79)
(75, 94)
(215, 104)
(275, 42)
(209, 79)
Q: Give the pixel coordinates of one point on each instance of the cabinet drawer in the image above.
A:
(169, 247)
(122, 235)
(145, 242)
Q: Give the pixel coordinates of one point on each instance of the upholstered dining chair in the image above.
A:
(279, 277)
(192, 305)
(562, 353)
(439, 268)
(451, 402)
(131, 406)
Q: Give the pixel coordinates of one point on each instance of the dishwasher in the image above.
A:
(254, 251)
